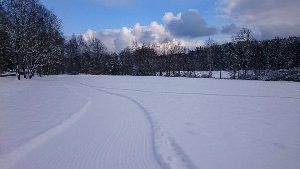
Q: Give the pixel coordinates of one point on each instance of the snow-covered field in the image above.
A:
(148, 122)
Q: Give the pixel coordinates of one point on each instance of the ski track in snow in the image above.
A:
(100, 135)
(168, 153)
(8, 160)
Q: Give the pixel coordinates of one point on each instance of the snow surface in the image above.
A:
(148, 122)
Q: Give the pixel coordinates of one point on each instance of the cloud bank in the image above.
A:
(270, 17)
(178, 28)
(118, 39)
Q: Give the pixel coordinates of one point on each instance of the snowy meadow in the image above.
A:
(131, 122)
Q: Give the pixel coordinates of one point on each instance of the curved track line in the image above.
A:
(168, 153)
(8, 160)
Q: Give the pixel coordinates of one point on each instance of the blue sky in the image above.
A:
(119, 22)
(80, 15)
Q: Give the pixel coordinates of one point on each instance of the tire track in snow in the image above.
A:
(8, 160)
(168, 153)
(106, 136)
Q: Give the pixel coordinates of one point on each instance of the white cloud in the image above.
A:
(169, 16)
(108, 36)
(191, 44)
(89, 34)
(155, 32)
(265, 15)
(125, 38)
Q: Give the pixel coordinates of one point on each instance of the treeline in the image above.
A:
(31, 38)
(245, 57)
(248, 58)
(31, 41)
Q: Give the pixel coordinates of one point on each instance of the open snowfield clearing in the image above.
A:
(129, 122)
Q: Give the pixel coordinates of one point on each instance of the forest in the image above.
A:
(32, 42)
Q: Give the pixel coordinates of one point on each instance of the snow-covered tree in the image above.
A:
(243, 40)
(99, 56)
(34, 36)
(126, 59)
(210, 44)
